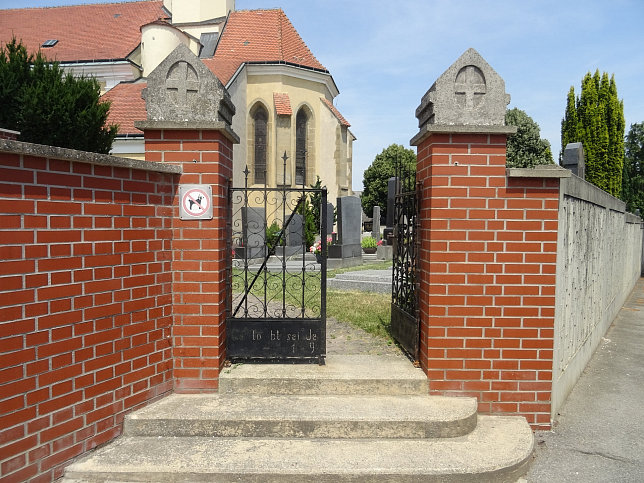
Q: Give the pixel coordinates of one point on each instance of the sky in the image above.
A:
(385, 54)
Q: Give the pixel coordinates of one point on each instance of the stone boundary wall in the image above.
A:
(85, 300)
(599, 258)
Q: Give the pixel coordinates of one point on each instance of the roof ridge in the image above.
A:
(281, 33)
(75, 5)
(335, 112)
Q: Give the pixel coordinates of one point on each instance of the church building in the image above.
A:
(283, 95)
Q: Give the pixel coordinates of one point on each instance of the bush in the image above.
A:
(369, 242)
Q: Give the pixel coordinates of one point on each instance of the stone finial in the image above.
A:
(183, 89)
(469, 93)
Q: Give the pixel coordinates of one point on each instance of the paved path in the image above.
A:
(599, 435)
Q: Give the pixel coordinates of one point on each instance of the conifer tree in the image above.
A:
(50, 107)
(633, 179)
(596, 119)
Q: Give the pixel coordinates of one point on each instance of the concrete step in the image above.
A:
(499, 449)
(341, 375)
(305, 417)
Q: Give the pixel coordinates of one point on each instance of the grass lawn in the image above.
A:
(365, 310)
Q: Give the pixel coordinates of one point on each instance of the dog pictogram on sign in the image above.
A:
(196, 202)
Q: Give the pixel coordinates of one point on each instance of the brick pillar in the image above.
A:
(199, 255)
(487, 272)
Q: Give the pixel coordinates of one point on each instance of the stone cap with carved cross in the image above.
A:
(469, 93)
(184, 93)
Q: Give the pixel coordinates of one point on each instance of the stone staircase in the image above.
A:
(358, 418)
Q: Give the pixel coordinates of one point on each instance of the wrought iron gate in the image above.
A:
(404, 295)
(277, 309)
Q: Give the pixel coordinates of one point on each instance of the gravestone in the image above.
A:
(294, 237)
(330, 212)
(182, 89)
(349, 222)
(375, 228)
(469, 93)
(254, 233)
(574, 159)
(391, 200)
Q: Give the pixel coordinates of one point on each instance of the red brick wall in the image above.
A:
(487, 276)
(200, 258)
(8, 134)
(85, 306)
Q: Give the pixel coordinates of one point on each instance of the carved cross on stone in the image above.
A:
(182, 79)
(470, 87)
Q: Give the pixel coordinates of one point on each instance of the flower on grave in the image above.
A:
(316, 248)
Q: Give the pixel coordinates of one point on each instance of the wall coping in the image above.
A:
(9, 131)
(539, 171)
(429, 129)
(579, 188)
(221, 126)
(65, 154)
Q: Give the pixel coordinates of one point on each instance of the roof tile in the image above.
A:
(127, 106)
(335, 112)
(84, 32)
(282, 104)
(259, 36)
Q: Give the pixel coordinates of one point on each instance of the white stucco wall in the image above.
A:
(599, 257)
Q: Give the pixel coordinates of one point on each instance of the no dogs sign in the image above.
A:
(195, 202)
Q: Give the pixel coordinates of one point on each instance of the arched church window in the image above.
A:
(260, 121)
(301, 122)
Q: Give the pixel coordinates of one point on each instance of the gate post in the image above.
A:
(189, 119)
(487, 250)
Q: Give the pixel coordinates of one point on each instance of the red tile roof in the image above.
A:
(282, 104)
(335, 112)
(84, 32)
(127, 106)
(259, 36)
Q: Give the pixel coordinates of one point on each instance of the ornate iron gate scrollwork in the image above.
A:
(278, 303)
(404, 295)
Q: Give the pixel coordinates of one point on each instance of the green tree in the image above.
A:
(596, 119)
(526, 148)
(378, 173)
(50, 107)
(633, 179)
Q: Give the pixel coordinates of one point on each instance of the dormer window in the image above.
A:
(50, 43)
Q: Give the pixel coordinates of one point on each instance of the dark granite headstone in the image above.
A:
(254, 232)
(375, 227)
(349, 221)
(574, 159)
(329, 218)
(391, 198)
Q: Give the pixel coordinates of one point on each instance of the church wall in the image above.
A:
(186, 11)
(238, 96)
(301, 92)
(157, 41)
(327, 152)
